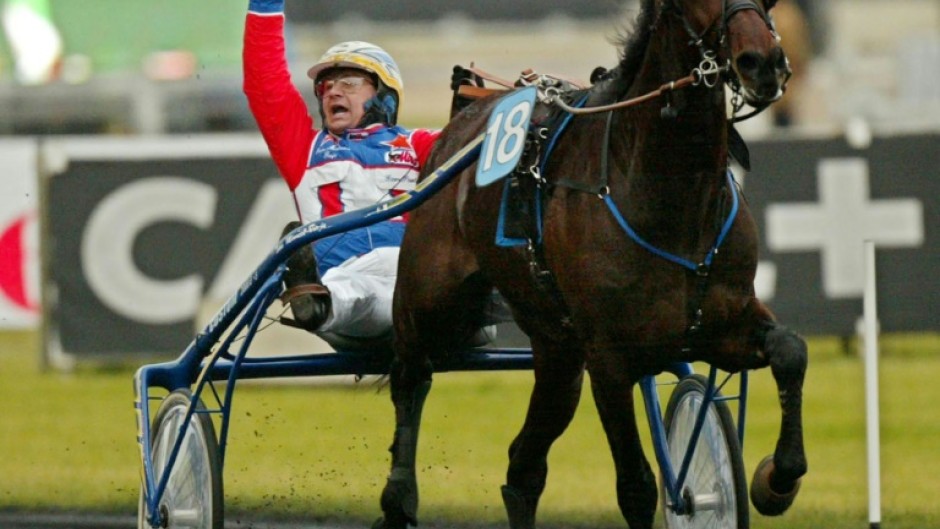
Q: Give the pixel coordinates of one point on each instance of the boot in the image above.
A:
(309, 300)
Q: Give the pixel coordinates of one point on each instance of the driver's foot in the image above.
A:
(309, 300)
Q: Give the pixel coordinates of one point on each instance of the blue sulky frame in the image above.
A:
(202, 363)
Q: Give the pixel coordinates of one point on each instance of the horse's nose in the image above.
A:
(766, 75)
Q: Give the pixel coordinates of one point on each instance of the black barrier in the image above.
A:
(139, 231)
(817, 201)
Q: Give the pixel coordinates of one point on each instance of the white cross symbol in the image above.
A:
(841, 222)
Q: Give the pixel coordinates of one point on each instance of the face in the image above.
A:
(757, 58)
(343, 93)
(759, 62)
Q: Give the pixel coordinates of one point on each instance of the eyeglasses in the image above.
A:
(347, 85)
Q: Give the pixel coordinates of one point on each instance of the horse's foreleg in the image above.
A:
(777, 479)
(636, 484)
(399, 502)
(558, 379)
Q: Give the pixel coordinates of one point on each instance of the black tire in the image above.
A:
(716, 475)
(193, 497)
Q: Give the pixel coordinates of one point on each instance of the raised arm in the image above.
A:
(277, 106)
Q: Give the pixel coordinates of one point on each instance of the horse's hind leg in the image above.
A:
(559, 372)
(776, 481)
(410, 385)
(439, 317)
(636, 485)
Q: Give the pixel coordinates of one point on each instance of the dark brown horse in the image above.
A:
(588, 293)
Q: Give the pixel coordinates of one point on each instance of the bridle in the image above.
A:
(709, 71)
(729, 9)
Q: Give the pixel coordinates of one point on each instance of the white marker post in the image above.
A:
(871, 388)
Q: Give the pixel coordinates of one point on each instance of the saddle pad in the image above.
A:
(518, 214)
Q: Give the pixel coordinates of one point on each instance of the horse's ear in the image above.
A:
(599, 74)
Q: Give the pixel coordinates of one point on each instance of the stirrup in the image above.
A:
(320, 305)
(315, 289)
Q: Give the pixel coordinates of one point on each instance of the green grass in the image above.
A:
(320, 452)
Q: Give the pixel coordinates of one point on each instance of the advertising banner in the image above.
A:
(142, 232)
(818, 200)
(19, 240)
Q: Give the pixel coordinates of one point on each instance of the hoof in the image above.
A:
(766, 500)
(391, 522)
(382, 523)
(520, 508)
(399, 505)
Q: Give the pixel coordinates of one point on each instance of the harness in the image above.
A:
(729, 9)
(526, 200)
(523, 204)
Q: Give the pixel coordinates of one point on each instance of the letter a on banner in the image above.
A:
(505, 136)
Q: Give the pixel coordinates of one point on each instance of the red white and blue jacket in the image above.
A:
(327, 174)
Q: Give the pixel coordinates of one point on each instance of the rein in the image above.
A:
(708, 72)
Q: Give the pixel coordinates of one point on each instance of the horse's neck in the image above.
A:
(700, 121)
(673, 164)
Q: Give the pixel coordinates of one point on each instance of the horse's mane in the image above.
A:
(633, 41)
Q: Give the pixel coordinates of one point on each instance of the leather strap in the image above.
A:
(476, 92)
(490, 77)
(314, 289)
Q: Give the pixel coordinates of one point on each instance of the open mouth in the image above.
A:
(338, 110)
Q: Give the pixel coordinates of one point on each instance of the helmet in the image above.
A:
(368, 57)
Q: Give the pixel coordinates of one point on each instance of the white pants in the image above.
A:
(361, 291)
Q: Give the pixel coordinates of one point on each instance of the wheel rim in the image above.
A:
(710, 478)
(187, 501)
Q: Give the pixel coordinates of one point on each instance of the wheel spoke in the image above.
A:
(712, 478)
(193, 495)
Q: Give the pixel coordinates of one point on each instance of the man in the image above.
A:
(359, 158)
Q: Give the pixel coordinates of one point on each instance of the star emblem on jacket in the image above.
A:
(400, 151)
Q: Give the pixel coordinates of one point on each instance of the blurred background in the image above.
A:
(113, 67)
(137, 196)
(127, 104)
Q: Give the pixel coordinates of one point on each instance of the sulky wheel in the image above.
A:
(193, 496)
(715, 485)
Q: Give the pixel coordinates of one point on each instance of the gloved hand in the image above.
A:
(461, 76)
(266, 6)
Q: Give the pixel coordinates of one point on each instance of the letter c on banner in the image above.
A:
(108, 242)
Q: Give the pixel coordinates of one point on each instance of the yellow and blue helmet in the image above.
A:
(370, 58)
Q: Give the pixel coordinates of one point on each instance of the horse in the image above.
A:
(612, 277)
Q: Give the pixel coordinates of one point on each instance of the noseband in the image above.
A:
(729, 8)
(709, 72)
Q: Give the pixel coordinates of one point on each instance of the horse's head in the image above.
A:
(742, 33)
(757, 59)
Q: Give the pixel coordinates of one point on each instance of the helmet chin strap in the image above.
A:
(382, 108)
